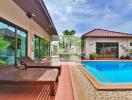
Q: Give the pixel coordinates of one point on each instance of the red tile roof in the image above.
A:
(101, 33)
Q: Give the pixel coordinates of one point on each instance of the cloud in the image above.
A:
(83, 15)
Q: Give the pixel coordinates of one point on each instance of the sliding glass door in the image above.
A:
(21, 43)
(107, 49)
(36, 47)
(7, 50)
(12, 43)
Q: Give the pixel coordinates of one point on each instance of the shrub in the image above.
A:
(127, 57)
(93, 55)
(122, 57)
(130, 51)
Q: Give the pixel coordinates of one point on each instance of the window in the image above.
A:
(107, 49)
(7, 53)
(12, 43)
(131, 44)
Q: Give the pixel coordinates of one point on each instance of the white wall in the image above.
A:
(90, 46)
(10, 11)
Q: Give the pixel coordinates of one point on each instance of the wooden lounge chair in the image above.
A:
(29, 63)
(31, 76)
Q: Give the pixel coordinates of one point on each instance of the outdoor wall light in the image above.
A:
(91, 44)
(29, 15)
(33, 15)
(121, 45)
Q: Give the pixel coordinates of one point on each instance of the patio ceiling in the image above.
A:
(39, 13)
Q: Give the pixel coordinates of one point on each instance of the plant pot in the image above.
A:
(92, 58)
(122, 57)
(127, 57)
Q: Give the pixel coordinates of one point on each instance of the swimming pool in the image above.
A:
(110, 71)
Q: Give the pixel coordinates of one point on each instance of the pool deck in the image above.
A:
(40, 92)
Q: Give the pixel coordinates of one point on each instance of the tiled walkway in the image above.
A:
(30, 92)
(65, 86)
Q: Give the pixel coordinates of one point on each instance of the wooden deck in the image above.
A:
(39, 92)
(30, 75)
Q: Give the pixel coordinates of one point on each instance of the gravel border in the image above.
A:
(84, 90)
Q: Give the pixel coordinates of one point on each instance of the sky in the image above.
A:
(85, 15)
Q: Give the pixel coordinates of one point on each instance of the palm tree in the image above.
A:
(67, 35)
(69, 32)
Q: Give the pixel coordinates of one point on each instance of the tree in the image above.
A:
(42, 51)
(44, 48)
(3, 43)
(69, 32)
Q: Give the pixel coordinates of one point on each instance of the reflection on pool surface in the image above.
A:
(110, 72)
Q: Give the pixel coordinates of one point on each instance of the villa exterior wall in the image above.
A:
(13, 13)
(90, 44)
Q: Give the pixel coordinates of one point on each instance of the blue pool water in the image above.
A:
(110, 72)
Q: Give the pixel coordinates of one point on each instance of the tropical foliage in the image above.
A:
(3, 45)
(69, 32)
(93, 56)
(130, 51)
(65, 39)
(43, 49)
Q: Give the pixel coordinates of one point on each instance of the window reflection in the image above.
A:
(21, 43)
(105, 49)
(7, 55)
(9, 51)
(41, 48)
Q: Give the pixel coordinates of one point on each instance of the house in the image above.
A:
(24, 24)
(106, 43)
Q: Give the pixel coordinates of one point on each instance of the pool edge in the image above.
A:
(105, 86)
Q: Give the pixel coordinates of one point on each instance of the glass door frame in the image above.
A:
(26, 44)
(35, 36)
(45, 47)
(117, 53)
(16, 28)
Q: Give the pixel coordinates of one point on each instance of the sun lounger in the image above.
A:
(29, 63)
(31, 76)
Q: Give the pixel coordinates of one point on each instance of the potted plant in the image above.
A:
(93, 56)
(127, 57)
(122, 57)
